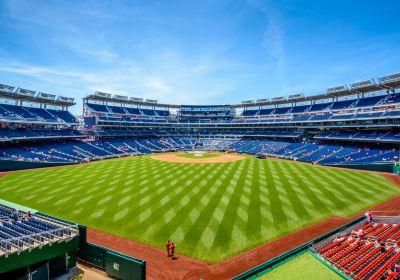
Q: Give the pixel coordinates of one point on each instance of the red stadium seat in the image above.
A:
(355, 256)
(388, 264)
(374, 263)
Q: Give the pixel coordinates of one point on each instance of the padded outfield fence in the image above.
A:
(11, 165)
(114, 263)
(275, 262)
(378, 167)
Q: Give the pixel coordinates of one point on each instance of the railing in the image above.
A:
(21, 243)
(318, 246)
(386, 214)
(64, 231)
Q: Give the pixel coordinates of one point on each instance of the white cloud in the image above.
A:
(139, 53)
(176, 85)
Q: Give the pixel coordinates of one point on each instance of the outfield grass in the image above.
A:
(302, 267)
(212, 211)
(199, 156)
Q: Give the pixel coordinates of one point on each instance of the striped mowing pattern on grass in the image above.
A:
(212, 211)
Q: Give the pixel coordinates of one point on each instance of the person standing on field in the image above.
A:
(168, 245)
(172, 249)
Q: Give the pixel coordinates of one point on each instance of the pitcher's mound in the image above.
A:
(179, 159)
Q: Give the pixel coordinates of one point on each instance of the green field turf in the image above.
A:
(200, 156)
(302, 267)
(212, 211)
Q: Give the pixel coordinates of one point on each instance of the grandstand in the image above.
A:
(26, 106)
(366, 250)
(33, 243)
(22, 231)
(360, 249)
(347, 125)
(29, 116)
(354, 126)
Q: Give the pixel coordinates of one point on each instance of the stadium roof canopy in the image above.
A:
(388, 82)
(20, 94)
(108, 97)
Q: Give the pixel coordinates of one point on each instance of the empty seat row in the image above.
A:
(29, 114)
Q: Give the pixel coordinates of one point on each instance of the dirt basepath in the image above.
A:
(159, 266)
(175, 158)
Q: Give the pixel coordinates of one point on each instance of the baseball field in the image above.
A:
(211, 210)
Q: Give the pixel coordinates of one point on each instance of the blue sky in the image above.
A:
(196, 52)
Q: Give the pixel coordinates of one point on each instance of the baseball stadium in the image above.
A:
(122, 184)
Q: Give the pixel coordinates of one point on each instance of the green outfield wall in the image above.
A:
(396, 168)
(9, 165)
(124, 267)
(114, 263)
(379, 167)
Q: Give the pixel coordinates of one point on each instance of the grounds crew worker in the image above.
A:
(168, 245)
(172, 249)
